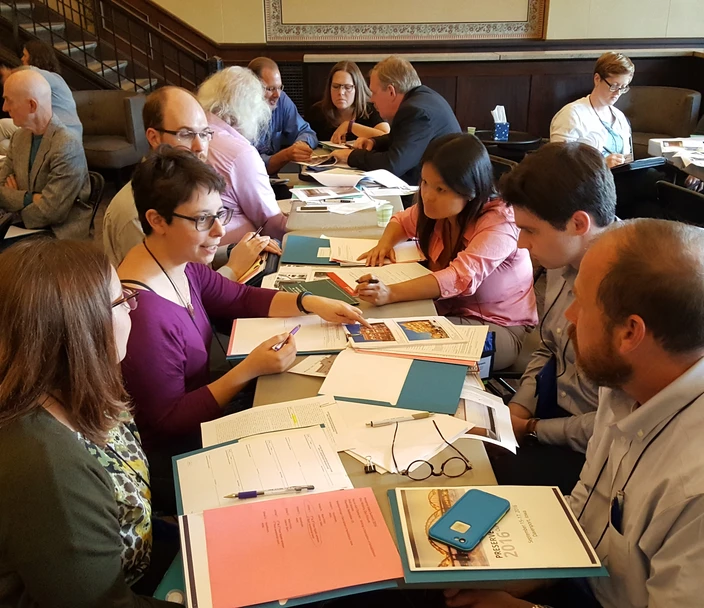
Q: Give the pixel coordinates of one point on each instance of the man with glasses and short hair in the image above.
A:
(172, 116)
(289, 137)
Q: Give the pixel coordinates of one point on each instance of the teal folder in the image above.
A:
(429, 387)
(442, 579)
(304, 250)
(174, 580)
(325, 288)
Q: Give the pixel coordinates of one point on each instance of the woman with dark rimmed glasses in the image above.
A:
(594, 119)
(75, 505)
(167, 369)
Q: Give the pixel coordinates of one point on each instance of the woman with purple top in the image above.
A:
(166, 370)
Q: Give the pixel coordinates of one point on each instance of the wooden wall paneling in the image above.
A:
(478, 95)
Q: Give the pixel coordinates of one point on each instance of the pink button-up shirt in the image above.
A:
(248, 190)
(491, 278)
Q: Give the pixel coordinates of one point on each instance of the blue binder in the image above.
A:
(429, 387)
(455, 578)
(304, 250)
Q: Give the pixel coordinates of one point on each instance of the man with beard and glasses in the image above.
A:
(638, 318)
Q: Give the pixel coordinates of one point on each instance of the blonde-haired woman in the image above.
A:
(594, 119)
(345, 112)
(238, 114)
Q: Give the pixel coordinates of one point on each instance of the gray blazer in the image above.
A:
(59, 174)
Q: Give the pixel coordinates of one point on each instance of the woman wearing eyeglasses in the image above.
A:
(166, 369)
(75, 512)
(594, 119)
(345, 112)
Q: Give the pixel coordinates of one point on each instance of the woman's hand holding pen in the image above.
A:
(378, 255)
(373, 290)
(614, 160)
(334, 311)
(264, 360)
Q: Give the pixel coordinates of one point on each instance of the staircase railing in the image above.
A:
(112, 41)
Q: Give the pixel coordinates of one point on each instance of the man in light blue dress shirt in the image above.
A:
(289, 138)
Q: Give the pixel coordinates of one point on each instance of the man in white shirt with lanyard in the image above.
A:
(638, 320)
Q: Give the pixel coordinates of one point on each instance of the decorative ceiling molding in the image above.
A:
(278, 31)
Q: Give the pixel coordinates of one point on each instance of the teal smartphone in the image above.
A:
(469, 520)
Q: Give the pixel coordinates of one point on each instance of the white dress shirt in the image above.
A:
(656, 558)
(578, 121)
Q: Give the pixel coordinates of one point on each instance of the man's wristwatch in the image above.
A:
(531, 428)
(299, 301)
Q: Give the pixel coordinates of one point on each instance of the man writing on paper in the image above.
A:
(563, 197)
(289, 137)
(638, 331)
(417, 115)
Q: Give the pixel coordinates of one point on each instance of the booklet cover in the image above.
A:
(539, 531)
(390, 333)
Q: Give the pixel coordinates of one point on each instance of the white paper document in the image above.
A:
(365, 377)
(300, 413)
(539, 531)
(336, 178)
(315, 334)
(317, 366)
(318, 194)
(416, 440)
(274, 460)
(487, 413)
(350, 208)
(386, 178)
(349, 250)
(15, 231)
(389, 274)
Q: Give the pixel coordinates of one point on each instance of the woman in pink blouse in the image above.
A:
(238, 114)
(468, 236)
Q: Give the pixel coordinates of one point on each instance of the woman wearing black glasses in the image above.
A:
(594, 119)
(166, 369)
(75, 512)
(345, 112)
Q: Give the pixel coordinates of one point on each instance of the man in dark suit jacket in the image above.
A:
(44, 179)
(417, 115)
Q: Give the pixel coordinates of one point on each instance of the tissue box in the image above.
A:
(501, 131)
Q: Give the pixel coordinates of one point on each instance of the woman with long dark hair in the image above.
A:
(75, 511)
(345, 112)
(470, 241)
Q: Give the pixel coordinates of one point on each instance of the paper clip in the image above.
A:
(369, 467)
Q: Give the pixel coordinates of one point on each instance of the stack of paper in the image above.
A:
(298, 457)
(261, 552)
(539, 536)
(464, 353)
(415, 440)
(406, 331)
(317, 194)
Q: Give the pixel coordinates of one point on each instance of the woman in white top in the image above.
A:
(594, 119)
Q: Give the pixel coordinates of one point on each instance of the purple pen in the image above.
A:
(280, 345)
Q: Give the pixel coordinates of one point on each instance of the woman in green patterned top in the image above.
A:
(75, 514)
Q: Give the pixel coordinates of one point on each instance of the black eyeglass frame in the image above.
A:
(127, 295)
(618, 87)
(187, 134)
(209, 220)
(467, 464)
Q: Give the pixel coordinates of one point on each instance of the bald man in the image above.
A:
(173, 116)
(44, 180)
(638, 332)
